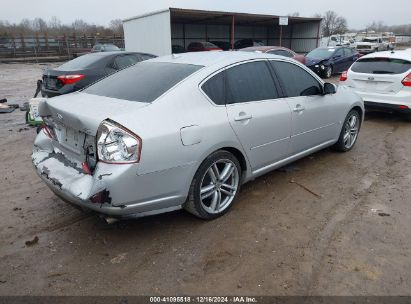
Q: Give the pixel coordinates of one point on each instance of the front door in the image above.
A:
(314, 120)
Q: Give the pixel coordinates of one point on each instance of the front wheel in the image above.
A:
(349, 132)
(215, 186)
(328, 71)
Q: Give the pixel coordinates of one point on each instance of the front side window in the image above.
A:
(295, 80)
(249, 82)
(143, 82)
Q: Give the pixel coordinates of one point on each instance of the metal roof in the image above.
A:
(181, 15)
(213, 57)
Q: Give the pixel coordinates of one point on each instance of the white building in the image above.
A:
(158, 31)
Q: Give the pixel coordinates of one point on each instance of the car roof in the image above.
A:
(106, 54)
(264, 48)
(402, 54)
(215, 57)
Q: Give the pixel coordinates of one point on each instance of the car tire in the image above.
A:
(349, 132)
(215, 186)
(328, 72)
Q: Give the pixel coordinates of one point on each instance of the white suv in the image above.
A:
(383, 80)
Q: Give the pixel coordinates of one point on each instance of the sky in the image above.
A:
(358, 13)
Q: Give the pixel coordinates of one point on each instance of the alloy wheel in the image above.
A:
(219, 186)
(351, 129)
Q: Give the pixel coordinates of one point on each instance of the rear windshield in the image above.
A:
(381, 66)
(80, 63)
(143, 82)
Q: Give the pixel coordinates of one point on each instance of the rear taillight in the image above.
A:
(70, 79)
(407, 81)
(117, 145)
(48, 131)
(344, 76)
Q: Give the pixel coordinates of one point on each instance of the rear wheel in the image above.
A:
(349, 133)
(215, 186)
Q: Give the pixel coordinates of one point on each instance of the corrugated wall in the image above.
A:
(149, 34)
(301, 38)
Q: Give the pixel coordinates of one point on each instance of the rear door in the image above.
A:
(379, 74)
(260, 119)
(314, 116)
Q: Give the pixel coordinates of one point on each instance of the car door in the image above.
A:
(261, 120)
(350, 58)
(314, 118)
(338, 60)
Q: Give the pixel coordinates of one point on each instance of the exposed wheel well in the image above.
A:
(357, 108)
(239, 155)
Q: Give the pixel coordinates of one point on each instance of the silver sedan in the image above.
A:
(186, 131)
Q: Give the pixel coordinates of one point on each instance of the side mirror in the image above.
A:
(329, 88)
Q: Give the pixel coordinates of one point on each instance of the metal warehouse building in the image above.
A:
(158, 31)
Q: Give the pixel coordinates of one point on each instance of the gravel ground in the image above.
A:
(352, 238)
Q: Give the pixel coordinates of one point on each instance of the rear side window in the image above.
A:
(215, 88)
(81, 62)
(124, 61)
(295, 80)
(143, 82)
(250, 82)
(381, 66)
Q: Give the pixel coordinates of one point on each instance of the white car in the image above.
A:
(383, 80)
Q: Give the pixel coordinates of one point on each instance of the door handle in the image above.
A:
(298, 108)
(243, 117)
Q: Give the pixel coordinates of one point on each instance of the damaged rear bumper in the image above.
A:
(113, 190)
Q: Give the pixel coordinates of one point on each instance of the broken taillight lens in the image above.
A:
(117, 145)
(70, 79)
(49, 131)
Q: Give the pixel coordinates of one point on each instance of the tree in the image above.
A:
(39, 25)
(116, 26)
(80, 26)
(333, 24)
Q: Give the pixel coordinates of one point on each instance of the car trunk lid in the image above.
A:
(379, 83)
(75, 118)
(379, 74)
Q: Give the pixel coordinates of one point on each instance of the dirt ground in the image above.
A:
(351, 235)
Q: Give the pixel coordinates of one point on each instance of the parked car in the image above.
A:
(244, 43)
(224, 45)
(326, 61)
(371, 45)
(202, 47)
(226, 118)
(383, 80)
(276, 50)
(105, 48)
(84, 70)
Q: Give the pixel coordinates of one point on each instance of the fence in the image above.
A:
(45, 46)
